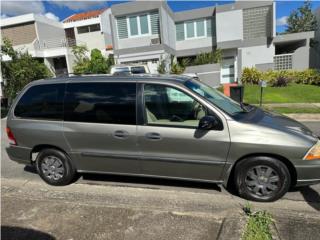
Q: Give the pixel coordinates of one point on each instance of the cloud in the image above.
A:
(77, 4)
(282, 21)
(51, 16)
(13, 8)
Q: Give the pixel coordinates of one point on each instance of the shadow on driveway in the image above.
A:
(311, 196)
(19, 233)
(153, 183)
(127, 181)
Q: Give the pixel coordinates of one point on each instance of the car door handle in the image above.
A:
(121, 134)
(153, 136)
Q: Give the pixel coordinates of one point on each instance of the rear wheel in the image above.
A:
(262, 179)
(54, 167)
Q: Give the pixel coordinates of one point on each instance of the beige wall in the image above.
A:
(20, 34)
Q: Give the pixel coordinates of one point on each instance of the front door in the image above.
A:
(169, 141)
(100, 126)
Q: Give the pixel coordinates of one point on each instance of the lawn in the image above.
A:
(294, 93)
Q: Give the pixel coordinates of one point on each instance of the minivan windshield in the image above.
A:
(214, 96)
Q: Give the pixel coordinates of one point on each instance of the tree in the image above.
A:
(82, 61)
(20, 70)
(302, 20)
(96, 64)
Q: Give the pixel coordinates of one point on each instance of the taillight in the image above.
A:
(11, 138)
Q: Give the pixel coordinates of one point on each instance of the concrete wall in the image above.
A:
(300, 58)
(47, 31)
(136, 41)
(316, 50)
(208, 73)
(194, 43)
(167, 28)
(91, 39)
(229, 26)
(251, 56)
(106, 26)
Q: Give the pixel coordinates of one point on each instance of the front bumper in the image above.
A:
(308, 173)
(19, 154)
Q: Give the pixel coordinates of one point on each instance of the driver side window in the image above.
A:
(166, 105)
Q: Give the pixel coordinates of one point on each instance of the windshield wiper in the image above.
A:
(246, 107)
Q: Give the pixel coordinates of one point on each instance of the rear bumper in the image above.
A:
(309, 173)
(19, 154)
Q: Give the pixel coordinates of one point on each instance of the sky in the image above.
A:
(59, 10)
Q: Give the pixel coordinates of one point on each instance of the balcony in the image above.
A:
(54, 43)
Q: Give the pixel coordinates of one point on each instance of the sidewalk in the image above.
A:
(34, 210)
(302, 117)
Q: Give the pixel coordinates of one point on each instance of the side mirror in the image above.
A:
(208, 123)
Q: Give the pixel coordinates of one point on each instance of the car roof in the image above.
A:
(111, 78)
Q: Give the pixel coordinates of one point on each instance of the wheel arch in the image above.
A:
(228, 180)
(40, 147)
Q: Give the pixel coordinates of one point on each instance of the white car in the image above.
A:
(129, 69)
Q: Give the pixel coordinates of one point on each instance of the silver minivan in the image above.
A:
(158, 126)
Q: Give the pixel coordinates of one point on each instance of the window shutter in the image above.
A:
(122, 27)
(155, 24)
(180, 31)
(209, 27)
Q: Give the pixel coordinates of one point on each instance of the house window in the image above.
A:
(190, 29)
(200, 28)
(138, 25)
(89, 28)
(133, 22)
(144, 24)
(193, 29)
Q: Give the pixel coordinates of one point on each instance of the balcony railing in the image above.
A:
(282, 61)
(54, 43)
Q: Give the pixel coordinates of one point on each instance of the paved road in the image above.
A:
(12, 170)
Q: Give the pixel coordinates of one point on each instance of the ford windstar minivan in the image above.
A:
(158, 126)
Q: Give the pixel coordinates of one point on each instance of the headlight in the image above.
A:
(314, 152)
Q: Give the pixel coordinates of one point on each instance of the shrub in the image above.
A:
(251, 76)
(208, 58)
(162, 67)
(281, 78)
(308, 76)
(176, 68)
(277, 78)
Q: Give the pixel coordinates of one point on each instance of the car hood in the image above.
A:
(278, 122)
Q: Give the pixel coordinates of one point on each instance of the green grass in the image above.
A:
(258, 225)
(294, 93)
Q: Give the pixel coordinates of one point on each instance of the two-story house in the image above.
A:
(43, 38)
(147, 32)
(90, 28)
(143, 32)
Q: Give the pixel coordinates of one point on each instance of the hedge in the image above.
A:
(281, 77)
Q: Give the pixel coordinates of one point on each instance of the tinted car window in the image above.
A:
(138, 70)
(42, 102)
(101, 103)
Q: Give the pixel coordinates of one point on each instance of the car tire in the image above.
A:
(262, 179)
(55, 167)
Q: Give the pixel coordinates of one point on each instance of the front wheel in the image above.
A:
(54, 167)
(262, 179)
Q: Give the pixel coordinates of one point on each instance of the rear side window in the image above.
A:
(138, 70)
(42, 102)
(113, 103)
